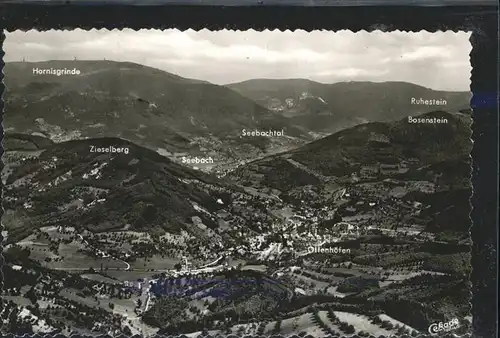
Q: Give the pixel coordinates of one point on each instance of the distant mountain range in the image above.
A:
(332, 107)
(142, 104)
(179, 117)
(158, 109)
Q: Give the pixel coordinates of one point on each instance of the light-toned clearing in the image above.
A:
(19, 300)
(130, 275)
(156, 263)
(361, 323)
(317, 284)
(40, 325)
(269, 327)
(333, 291)
(323, 315)
(395, 321)
(99, 278)
(398, 277)
(79, 261)
(198, 333)
(301, 323)
(245, 329)
(261, 268)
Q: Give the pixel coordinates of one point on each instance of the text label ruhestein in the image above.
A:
(430, 102)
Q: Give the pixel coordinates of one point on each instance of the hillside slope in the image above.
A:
(148, 106)
(378, 163)
(345, 152)
(332, 107)
(67, 183)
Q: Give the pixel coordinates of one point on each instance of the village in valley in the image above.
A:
(119, 279)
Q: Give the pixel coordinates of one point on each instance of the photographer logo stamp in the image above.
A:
(439, 328)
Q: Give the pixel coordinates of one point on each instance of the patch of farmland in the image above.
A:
(397, 277)
(301, 323)
(32, 240)
(99, 278)
(200, 303)
(323, 276)
(269, 327)
(19, 300)
(261, 268)
(123, 275)
(50, 230)
(156, 262)
(333, 291)
(395, 321)
(43, 304)
(71, 294)
(354, 271)
(323, 315)
(318, 284)
(146, 330)
(133, 235)
(123, 307)
(198, 333)
(39, 252)
(361, 323)
(245, 329)
(72, 259)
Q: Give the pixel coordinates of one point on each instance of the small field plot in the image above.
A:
(73, 294)
(353, 271)
(323, 316)
(361, 323)
(245, 329)
(19, 300)
(395, 322)
(325, 277)
(397, 276)
(261, 268)
(120, 306)
(314, 283)
(156, 263)
(268, 329)
(332, 290)
(123, 275)
(301, 323)
(198, 333)
(72, 259)
(99, 278)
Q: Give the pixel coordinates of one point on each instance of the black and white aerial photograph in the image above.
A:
(214, 183)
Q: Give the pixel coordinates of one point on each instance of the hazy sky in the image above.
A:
(435, 60)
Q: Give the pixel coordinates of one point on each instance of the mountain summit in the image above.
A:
(331, 107)
(121, 99)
